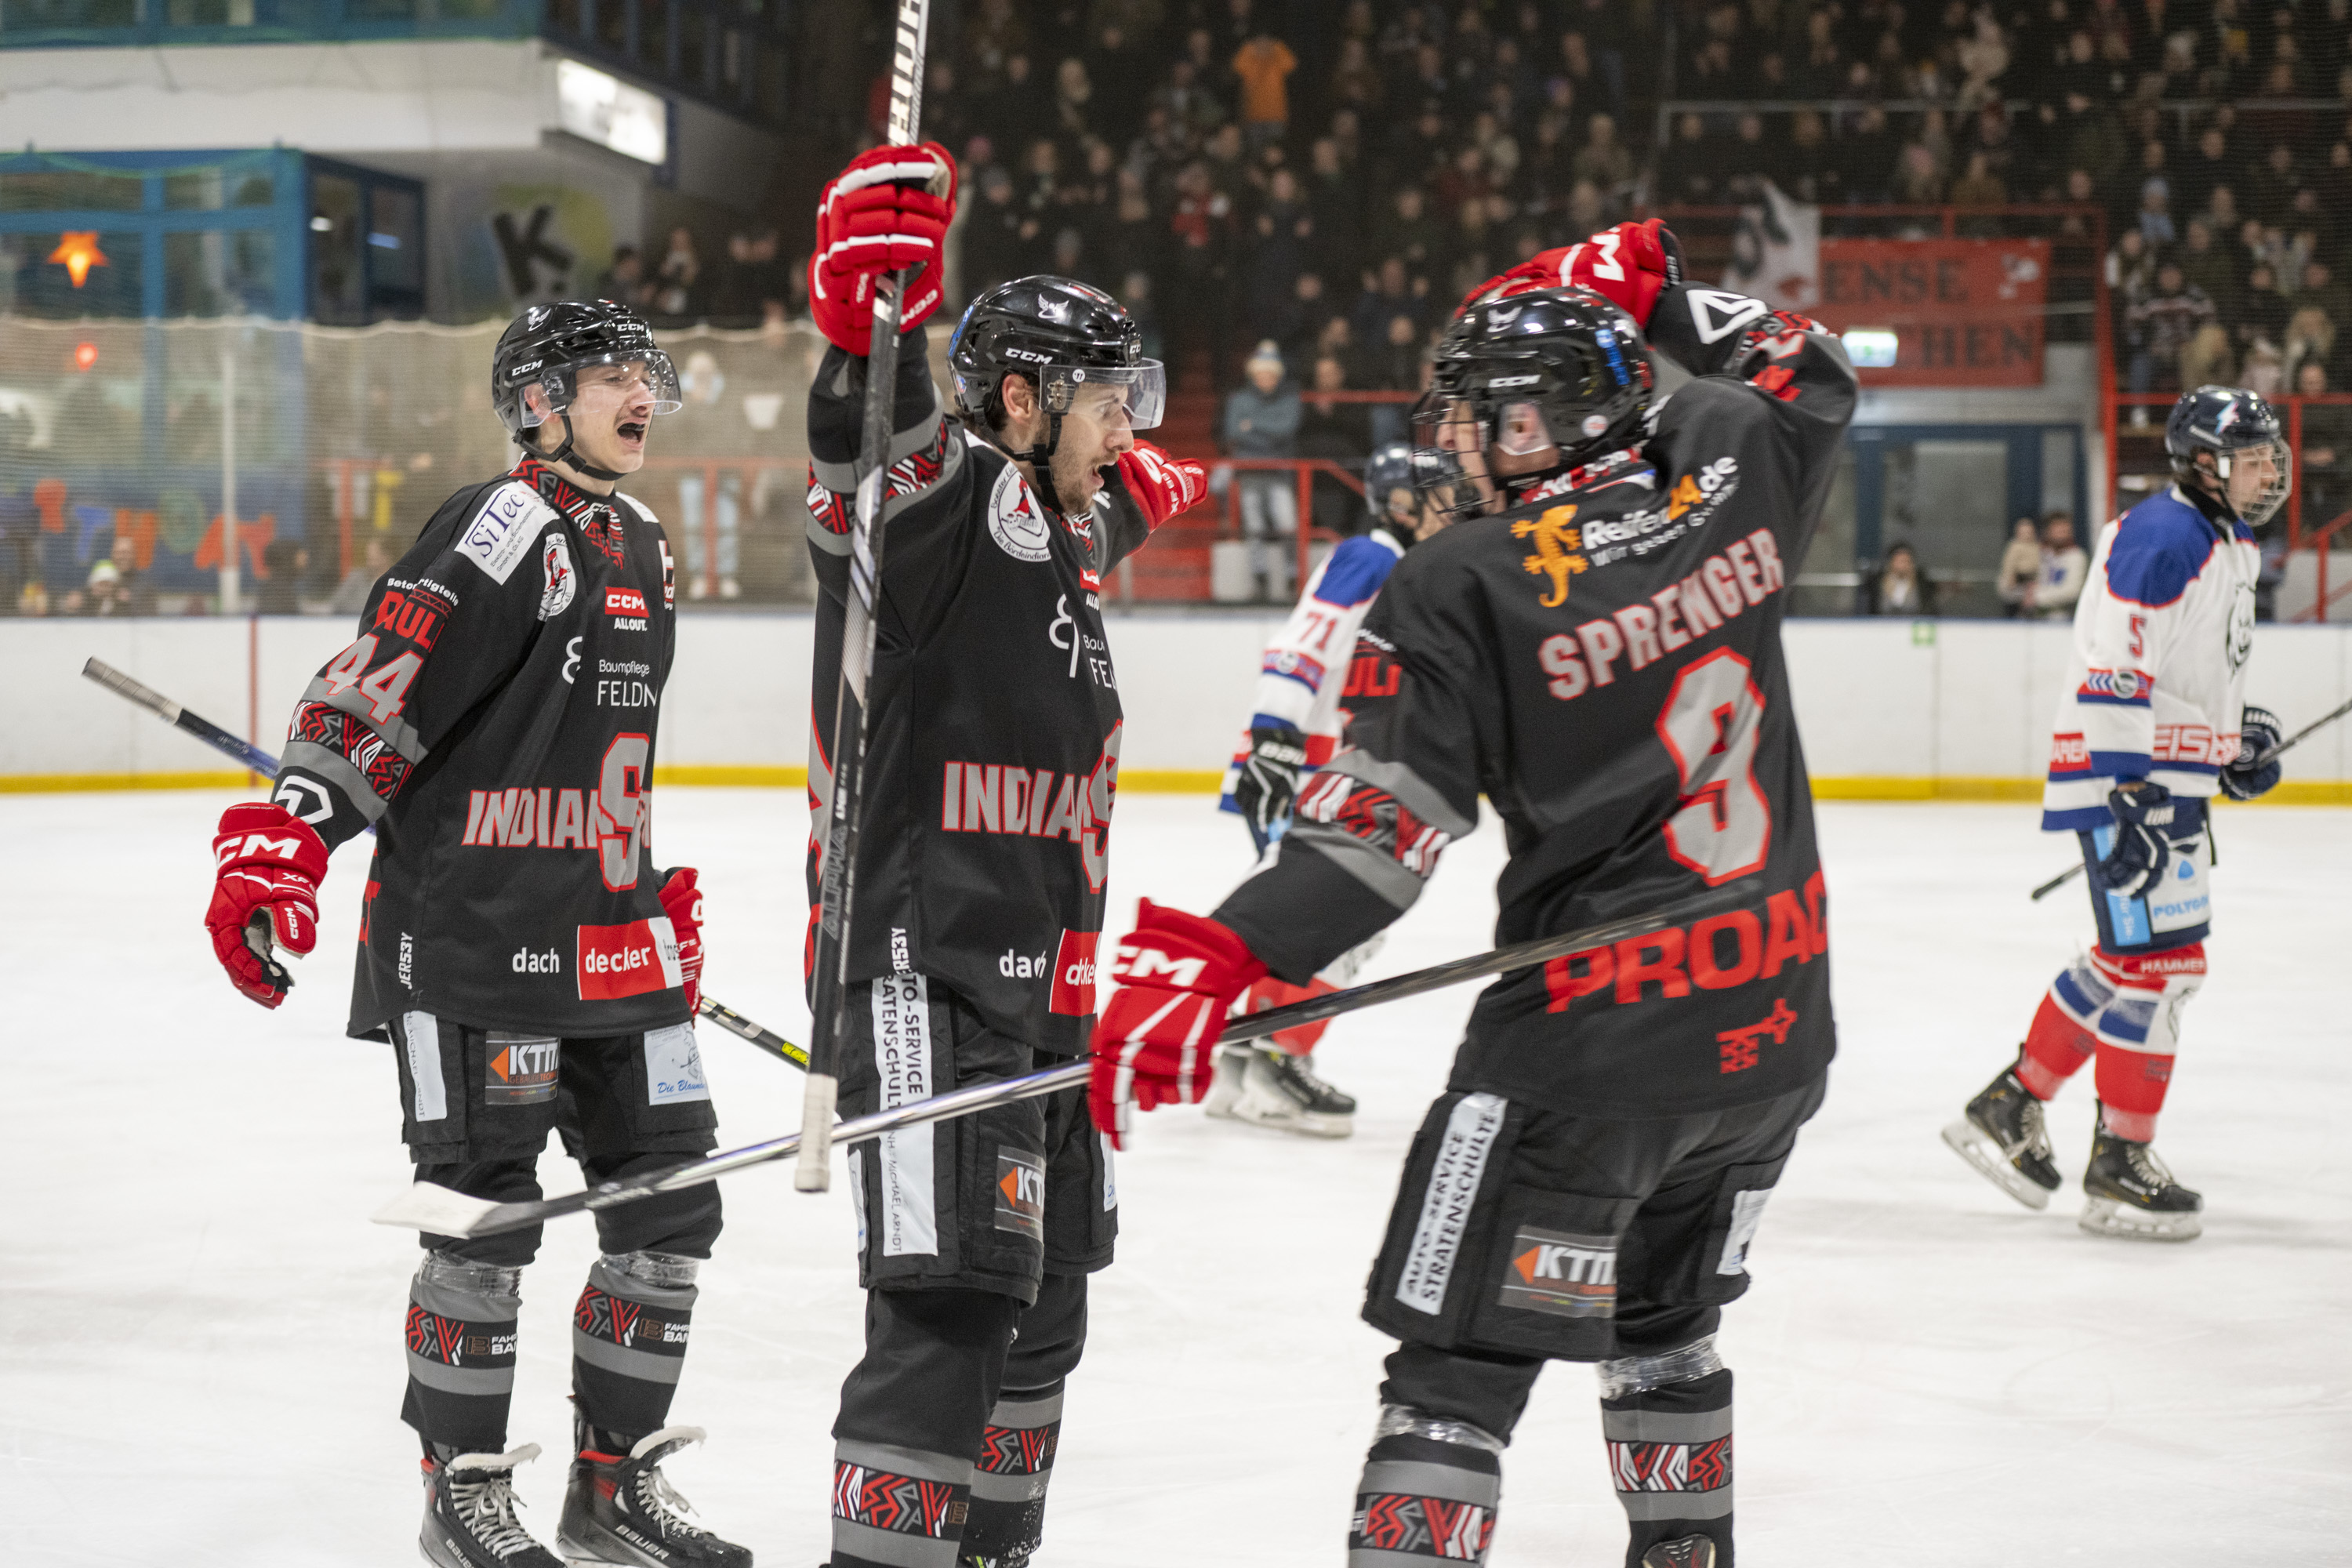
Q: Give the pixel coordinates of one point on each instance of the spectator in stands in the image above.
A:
(2154, 218)
(2161, 325)
(1262, 419)
(2323, 466)
(1978, 187)
(2020, 566)
(1339, 431)
(283, 563)
(624, 282)
(2064, 567)
(1263, 65)
(1899, 587)
(999, 234)
(1603, 160)
(677, 284)
(351, 593)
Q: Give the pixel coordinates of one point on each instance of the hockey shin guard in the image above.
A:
(1431, 1487)
(1667, 1423)
(628, 1341)
(1007, 1518)
(2056, 1047)
(461, 1352)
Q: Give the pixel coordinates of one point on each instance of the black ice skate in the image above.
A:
(621, 1509)
(2132, 1195)
(469, 1512)
(1267, 1087)
(1690, 1551)
(2002, 1135)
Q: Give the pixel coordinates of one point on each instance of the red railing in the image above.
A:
(2298, 536)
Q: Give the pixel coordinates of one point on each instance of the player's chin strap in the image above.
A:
(564, 454)
(1040, 459)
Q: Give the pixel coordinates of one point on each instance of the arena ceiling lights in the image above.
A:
(598, 107)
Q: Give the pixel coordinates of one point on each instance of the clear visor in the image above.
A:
(1135, 394)
(2257, 480)
(625, 372)
(1444, 431)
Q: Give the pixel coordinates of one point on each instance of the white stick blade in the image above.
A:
(435, 1209)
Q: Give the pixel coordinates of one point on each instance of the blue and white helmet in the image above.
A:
(2242, 432)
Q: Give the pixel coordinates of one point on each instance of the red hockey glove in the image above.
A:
(267, 869)
(681, 900)
(1162, 485)
(888, 210)
(1630, 264)
(1157, 1041)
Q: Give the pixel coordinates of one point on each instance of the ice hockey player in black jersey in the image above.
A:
(494, 722)
(1596, 648)
(993, 756)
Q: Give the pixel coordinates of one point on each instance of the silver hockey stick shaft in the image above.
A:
(439, 1211)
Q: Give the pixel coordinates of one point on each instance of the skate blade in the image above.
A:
(1279, 1114)
(2106, 1216)
(1968, 1141)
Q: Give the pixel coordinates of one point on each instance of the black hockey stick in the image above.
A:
(2269, 755)
(439, 1211)
(829, 1008)
(262, 762)
(179, 717)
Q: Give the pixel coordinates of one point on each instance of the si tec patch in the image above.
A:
(1020, 1192)
(1566, 1275)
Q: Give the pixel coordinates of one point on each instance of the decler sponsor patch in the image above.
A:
(628, 960)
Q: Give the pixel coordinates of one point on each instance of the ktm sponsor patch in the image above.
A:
(520, 1069)
(1020, 1192)
(1567, 1275)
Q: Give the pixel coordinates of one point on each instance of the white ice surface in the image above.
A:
(200, 1334)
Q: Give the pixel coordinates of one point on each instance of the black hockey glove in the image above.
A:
(2258, 731)
(1269, 780)
(2142, 847)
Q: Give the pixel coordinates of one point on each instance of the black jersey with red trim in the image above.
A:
(1604, 663)
(494, 720)
(992, 712)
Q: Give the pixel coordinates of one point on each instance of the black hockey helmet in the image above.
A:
(2232, 424)
(1571, 355)
(1389, 469)
(548, 345)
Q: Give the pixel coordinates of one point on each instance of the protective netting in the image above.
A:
(119, 441)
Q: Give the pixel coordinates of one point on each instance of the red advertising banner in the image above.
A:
(1965, 312)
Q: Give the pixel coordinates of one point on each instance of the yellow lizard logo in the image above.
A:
(1555, 547)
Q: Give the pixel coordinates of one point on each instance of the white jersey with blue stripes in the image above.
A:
(2157, 684)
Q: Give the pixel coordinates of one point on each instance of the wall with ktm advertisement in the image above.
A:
(1887, 709)
(1966, 312)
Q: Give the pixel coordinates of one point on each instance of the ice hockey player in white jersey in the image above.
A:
(1297, 719)
(2152, 725)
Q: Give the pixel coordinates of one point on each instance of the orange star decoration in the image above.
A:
(78, 252)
